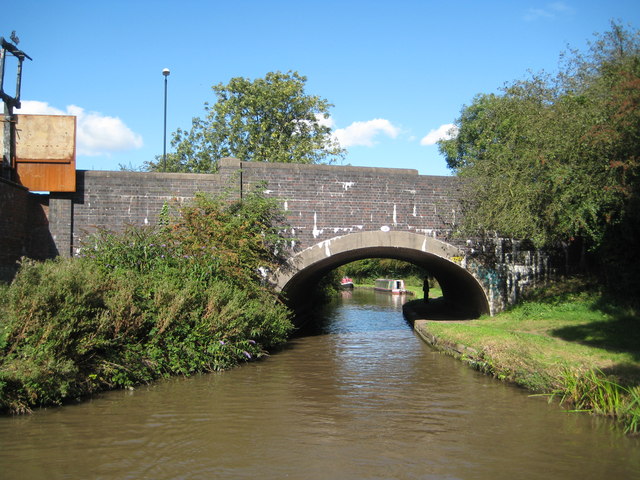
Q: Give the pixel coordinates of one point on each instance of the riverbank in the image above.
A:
(571, 344)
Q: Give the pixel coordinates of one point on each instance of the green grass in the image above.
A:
(562, 337)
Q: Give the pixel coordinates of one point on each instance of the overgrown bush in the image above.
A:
(143, 304)
(207, 238)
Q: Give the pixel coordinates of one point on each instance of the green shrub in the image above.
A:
(53, 323)
(180, 298)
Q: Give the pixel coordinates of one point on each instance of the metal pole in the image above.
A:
(8, 130)
(6, 119)
(166, 73)
(7, 140)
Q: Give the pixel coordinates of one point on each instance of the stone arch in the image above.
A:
(460, 288)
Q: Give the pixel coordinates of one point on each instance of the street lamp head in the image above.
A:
(166, 72)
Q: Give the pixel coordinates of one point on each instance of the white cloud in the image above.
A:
(97, 134)
(560, 7)
(38, 108)
(536, 13)
(364, 133)
(443, 132)
(549, 12)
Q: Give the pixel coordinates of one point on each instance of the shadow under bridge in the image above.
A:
(461, 291)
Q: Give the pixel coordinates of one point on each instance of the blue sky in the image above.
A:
(396, 71)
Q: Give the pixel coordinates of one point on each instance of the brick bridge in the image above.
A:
(337, 214)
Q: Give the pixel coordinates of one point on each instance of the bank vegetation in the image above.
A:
(183, 297)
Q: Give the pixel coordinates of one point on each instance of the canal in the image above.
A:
(364, 398)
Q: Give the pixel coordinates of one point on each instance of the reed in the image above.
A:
(592, 391)
(632, 413)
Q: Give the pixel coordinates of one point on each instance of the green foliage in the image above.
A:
(369, 269)
(53, 324)
(372, 268)
(143, 304)
(239, 240)
(144, 249)
(269, 119)
(632, 411)
(554, 159)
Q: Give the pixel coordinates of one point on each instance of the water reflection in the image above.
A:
(365, 400)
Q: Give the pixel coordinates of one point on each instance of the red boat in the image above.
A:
(346, 283)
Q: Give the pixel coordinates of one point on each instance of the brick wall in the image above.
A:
(113, 200)
(321, 201)
(324, 201)
(24, 229)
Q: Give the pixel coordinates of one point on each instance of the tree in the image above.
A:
(496, 150)
(269, 119)
(555, 159)
(546, 158)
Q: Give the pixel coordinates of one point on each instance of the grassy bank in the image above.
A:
(569, 341)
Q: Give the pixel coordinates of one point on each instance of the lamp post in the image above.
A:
(166, 73)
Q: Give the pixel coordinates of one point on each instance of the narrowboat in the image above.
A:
(393, 286)
(346, 283)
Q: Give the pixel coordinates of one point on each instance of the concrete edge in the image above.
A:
(457, 350)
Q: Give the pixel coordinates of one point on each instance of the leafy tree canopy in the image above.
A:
(555, 157)
(269, 119)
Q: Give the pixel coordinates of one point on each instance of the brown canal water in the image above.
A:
(366, 399)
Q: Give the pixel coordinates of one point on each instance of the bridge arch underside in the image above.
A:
(461, 291)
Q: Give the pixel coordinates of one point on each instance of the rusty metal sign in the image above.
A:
(46, 138)
(45, 152)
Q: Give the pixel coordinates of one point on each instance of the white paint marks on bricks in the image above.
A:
(347, 185)
(316, 232)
